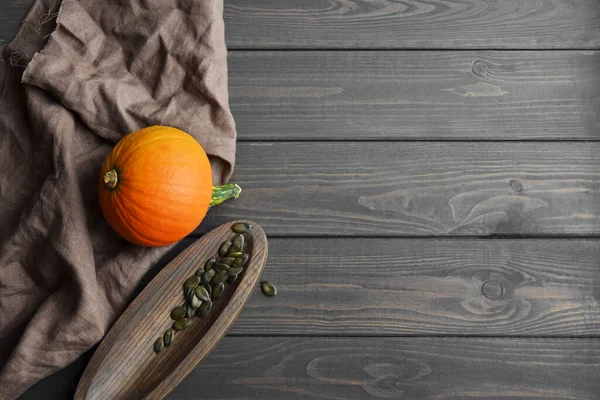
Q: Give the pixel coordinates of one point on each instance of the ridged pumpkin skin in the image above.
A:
(163, 186)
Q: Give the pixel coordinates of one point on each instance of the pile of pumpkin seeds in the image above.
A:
(208, 284)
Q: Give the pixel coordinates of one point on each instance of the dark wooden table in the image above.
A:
(428, 173)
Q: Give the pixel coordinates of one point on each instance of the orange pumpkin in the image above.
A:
(156, 186)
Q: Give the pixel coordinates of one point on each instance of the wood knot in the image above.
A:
(516, 185)
(493, 290)
(480, 68)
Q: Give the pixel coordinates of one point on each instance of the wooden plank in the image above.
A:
(480, 287)
(12, 13)
(357, 368)
(416, 189)
(385, 368)
(412, 95)
(506, 24)
(390, 286)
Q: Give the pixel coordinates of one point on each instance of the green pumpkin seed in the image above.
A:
(268, 288)
(159, 345)
(240, 261)
(179, 325)
(235, 249)
(189, 297)
(234, 254)
(234, 271)
(204, 309)
(202, 293)
(240, 227)
(238, 241)
(218, 291)
(232, 279)
(210, 263)
(168, 337)
(189, 311)
(196, 302)
(208, 289)
(208, 276)
(219, 277)
(191, 282)
(182, 324)
(178, 313)
(225, 260)
(221, 267)
(224, 248)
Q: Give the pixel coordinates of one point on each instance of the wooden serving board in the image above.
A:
(125, 365)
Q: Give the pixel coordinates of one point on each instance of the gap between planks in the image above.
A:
(403, 49)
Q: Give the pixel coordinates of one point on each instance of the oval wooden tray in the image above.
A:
(125, 365)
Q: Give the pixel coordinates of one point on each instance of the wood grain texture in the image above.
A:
(366, 368)
(391, 286)
(12, 13)
(125, 366)
(416, 189)
(343, 286)
(507, 24)
(394, 368)
(447, 95)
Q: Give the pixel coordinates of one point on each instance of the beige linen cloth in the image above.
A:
(78, 76)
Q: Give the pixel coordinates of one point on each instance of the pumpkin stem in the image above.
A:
(111, 178)
(225, 192)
